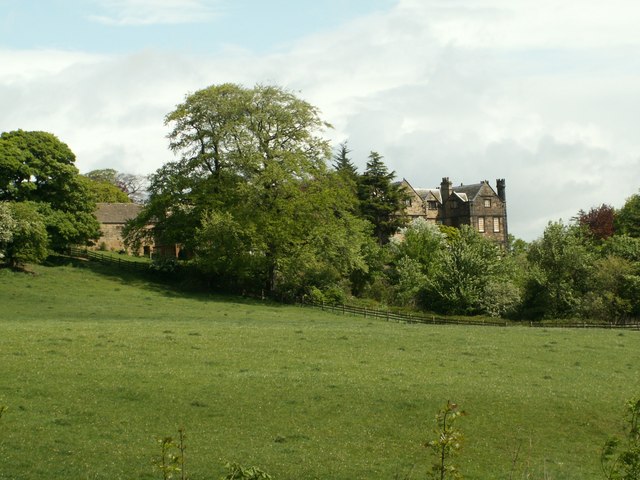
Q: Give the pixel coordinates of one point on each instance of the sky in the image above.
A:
(542, 93)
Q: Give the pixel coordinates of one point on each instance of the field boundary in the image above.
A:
(382, 314)
(438, 320)
(108, 259)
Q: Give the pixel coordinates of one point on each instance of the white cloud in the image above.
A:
(151, 12)
(545, 95)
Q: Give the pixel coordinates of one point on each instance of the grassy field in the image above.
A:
(95, 366)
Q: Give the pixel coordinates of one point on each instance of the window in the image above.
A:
(432, 205)
(496, 224)
(454, 204)
(487, 202)
(481, 224)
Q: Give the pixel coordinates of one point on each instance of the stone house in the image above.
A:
(112, 218)
(477, 205)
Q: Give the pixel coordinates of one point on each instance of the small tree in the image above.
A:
(447, 443)
(28, 241)
(598, 221)
(620, 459)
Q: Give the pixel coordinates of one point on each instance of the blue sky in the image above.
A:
(195, 27)
(545, 94)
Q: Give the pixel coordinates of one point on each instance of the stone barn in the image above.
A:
(112, 218)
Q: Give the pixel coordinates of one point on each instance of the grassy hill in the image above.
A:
(96, 366)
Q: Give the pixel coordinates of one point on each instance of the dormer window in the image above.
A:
(432, 205)
(487, 203)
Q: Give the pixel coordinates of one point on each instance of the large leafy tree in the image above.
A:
(627, 219)
(37, 167)
(102, 191)
(561, 264)
(107, 180)
(251, 194)
(382, 201)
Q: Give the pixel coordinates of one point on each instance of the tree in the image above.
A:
(106, 192)
(381, 201)
(466, 267)
(627, 219)
(598, 221)
(37, 167)
(343, 164)
(24, 238)
(133, 186)
(561, 264)
(251, 194)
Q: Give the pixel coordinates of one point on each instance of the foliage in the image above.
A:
(37, 167)
(467, 264)
(25, 234)
(627, 219)
(105, 192)
(238, 472)
(251, 195)
(133, 187)
(343, 165)
(620, 459)
(598, 221)
(172, 460)
(447, 443)
(613, 294)
(623, 246)
(7, 226)
(561, 264)
(381, 201)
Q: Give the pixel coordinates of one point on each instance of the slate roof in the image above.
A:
(470, 191)
(117, 212)
(425, 192)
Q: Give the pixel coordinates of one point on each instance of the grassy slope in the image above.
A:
(94, 368)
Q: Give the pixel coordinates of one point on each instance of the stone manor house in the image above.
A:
(477, 205)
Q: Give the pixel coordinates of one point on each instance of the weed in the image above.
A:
(447, 443)
(171, 461)
(620, 459)
(238, 472)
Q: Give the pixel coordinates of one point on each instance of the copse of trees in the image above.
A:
(42, 191)
(251, 195)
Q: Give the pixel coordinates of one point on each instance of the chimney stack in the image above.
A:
(446, 188)
(500, 183)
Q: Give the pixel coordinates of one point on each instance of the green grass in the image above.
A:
(95, 366)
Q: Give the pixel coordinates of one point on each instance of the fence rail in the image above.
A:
(108, 259)
(437, 320)
(370, 312)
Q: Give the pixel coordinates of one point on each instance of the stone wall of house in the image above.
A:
(111, 238)
(488, 215)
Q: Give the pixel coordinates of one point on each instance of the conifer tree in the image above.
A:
(382, 201)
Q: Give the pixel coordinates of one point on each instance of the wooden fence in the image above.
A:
(370, 312)
(108, 259)
(437, 320)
